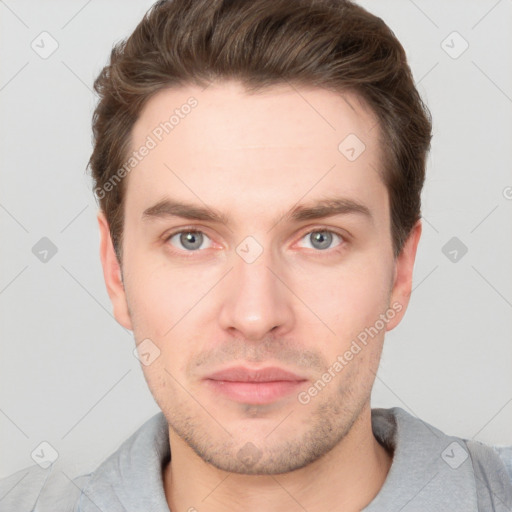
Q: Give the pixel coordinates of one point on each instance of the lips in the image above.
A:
(254, 386)
(242, 374)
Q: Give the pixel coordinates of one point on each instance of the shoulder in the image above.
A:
(505, 455)
(493, 475)
(132, 476)
(43, 490)
(34, 489)
(482, 472)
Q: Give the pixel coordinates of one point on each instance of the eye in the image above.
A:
(189, 240)
(321, 239)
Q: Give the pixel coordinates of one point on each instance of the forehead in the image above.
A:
(225, 116)
(222, 145)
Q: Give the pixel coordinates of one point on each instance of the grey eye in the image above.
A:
(321, 239)
(189, 240)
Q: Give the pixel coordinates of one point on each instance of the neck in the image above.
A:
(347, 478)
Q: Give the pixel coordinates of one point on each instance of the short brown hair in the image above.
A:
(331, 44)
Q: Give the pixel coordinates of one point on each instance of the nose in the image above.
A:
(255, 301)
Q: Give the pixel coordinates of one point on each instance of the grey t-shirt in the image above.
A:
(430, 472)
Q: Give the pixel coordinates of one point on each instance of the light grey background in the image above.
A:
(68, 374)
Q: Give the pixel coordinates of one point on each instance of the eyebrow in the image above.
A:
(317, 210)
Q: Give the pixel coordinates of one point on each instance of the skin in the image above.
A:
(254, 158)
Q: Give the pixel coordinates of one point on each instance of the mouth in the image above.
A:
(254, 386)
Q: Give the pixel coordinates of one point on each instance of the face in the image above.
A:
(258, 269)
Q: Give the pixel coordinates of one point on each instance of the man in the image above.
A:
(259, 168)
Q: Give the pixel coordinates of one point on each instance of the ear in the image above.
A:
(112, 274)
(402, 282)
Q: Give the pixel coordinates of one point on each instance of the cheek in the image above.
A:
(348, 297)
(166, 307)
(162, 381)
(160, 296)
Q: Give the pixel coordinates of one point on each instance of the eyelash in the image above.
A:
(188, 254)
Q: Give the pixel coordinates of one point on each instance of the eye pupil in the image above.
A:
(191, 240)
(321, 239)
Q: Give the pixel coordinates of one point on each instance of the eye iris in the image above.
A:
(191, 240)
(321, 239)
